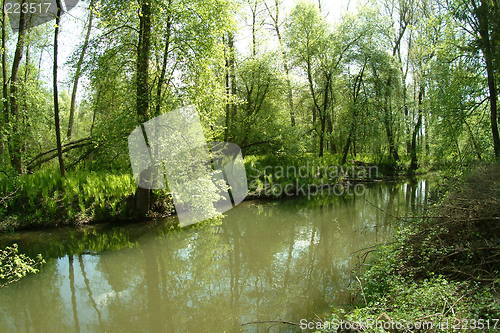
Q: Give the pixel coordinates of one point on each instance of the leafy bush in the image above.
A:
(14, 265)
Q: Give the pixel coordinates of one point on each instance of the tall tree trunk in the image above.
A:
(230, 81)
(347, 145)
(232, 71)
(488, 50)
(316, 110)
(78, 72)
(57, 122)
(143, 55)
(5, 91)
(143, 196)
(418, 125)
(393, 150)
(24, 97)
(324, 113)
(322, 136)
(254, 27)
(228, 90)
(15, 140)
(329, 130)
(163, 73)
(352, 131)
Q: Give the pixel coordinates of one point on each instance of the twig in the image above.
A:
(362, 290)
(271, 322)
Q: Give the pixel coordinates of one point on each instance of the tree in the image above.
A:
(143, 54)
(55, 88)
(78, 71)
(309, 42)
(166, 53)
(5, 88)
(486, 13)
(15, 136)
(479, 19)
(356, 90)
(229, 81)
(274, 14)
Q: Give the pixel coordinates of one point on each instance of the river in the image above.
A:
(267, 260)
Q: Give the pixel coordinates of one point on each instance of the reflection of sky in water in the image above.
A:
(286, 260)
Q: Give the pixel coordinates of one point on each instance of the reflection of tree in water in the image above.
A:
(71, 278)
(286, 260)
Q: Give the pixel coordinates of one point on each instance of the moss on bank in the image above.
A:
(442, 270)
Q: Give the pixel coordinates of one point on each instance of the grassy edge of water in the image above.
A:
(441, 272)
(45, 199)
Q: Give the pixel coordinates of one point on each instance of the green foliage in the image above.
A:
(300, 171)
(260, 122)
(435, 300)
(47, 198)
(14, 265)
(439, 270)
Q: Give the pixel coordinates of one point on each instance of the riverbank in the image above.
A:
(45, 199)
(443, 268)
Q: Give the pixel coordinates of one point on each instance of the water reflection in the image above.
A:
(272, 260)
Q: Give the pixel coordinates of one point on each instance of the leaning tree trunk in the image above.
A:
(56, 91)
(5, 92)
(143, 54)
(323, 116)
(352, 131)
(393, 150)
(275, 17)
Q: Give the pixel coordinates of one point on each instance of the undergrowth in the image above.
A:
(442, 270)
(47, 198)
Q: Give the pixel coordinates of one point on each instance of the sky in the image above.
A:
(333, 10)
(73, 22)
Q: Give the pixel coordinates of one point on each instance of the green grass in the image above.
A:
(46, 198)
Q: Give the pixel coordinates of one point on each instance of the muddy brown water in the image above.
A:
(285, 260)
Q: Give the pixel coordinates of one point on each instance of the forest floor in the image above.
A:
(442, 272)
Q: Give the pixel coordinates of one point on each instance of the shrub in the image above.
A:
(14, 265)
